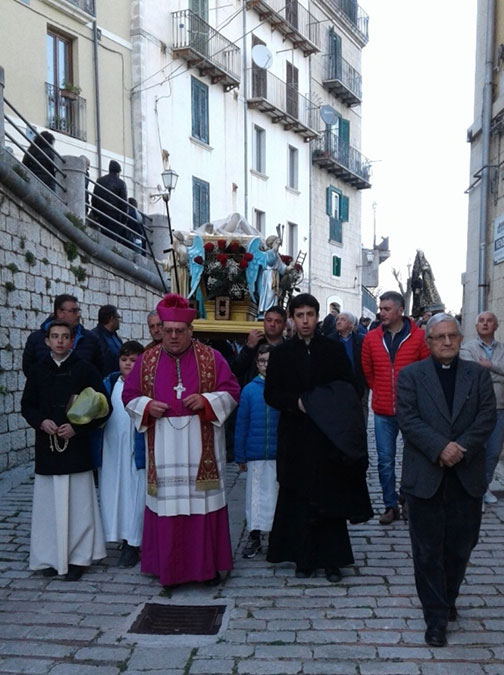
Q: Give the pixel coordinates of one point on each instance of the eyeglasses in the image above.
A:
(262, 362)
(443, 336)
(72, 310)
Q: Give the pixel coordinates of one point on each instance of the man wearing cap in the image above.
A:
(110, 203)
(180, 393)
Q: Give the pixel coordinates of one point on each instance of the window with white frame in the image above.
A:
(292, 169)
(292, 230)
(260, 221)
(259, 149)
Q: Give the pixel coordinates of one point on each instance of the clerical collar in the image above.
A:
(446, 366)
(58, 362)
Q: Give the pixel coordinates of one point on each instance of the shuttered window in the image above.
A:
(201, 202)
(336, 266)
(337, 210)
(199, 110)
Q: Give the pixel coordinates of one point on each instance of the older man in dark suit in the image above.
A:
(446, 411)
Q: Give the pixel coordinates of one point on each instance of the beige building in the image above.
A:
(68, 69)
(483, 279)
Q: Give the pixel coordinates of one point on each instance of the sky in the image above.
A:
(418, 92)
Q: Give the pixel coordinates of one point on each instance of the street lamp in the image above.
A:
(169, 178)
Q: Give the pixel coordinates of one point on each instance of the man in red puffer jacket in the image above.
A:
(396, 343)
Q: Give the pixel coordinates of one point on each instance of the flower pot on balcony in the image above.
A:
(69, 94)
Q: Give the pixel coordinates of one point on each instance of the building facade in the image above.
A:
(483, 280)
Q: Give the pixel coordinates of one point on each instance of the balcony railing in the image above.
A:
(86, 5)
(292, 20)
(205, 48)
(354, 17)
(282, 102)
(342, 80)
(66, 113)
(330, 152)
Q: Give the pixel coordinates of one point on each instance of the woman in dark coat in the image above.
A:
(40, 153)
(319, 486)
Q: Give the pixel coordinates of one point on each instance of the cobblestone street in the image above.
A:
(369, 624)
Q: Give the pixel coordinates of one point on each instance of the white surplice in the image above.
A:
(122, 485)
(177, 450)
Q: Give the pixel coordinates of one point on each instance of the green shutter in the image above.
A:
(199, 110)
(336, 230)
(201, 202)
(336, 266)
(334, 55)
(344, 209)
(344, 130)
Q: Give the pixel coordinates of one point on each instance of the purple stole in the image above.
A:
(208, 474)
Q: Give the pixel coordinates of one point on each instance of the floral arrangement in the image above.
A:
(224, 268)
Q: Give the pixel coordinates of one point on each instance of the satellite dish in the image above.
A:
(328, 115)
(262, 56)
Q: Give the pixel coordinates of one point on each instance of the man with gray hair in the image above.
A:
(487, 351)
(155, 328)
(446, 412)
(345, 333)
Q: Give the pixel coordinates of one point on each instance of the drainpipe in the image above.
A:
(97, 97)
(486, 115)
(245, 117)
(2, 128)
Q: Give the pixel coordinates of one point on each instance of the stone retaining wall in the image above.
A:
(38, 262)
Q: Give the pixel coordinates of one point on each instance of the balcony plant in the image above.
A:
(70, 91)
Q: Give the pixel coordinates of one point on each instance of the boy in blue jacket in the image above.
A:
(255, 452)
(122, 475)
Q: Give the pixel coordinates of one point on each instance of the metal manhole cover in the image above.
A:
(155, 619)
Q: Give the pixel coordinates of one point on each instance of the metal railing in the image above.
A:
(354, 12)
(336, 68)
(190, 31)
(331, 145)
(282, 96)
(296, 16)
(66, 112)
(86, 5)
(39, 155)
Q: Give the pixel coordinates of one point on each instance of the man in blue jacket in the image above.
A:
(84, 343)
(110, 342)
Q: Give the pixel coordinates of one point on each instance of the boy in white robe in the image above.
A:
(122, 474)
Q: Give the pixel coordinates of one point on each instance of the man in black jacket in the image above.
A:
(319, 487)
(110, 203)
(66, 308)
(244, 364)
(110, 342)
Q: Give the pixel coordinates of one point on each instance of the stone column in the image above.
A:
(75, 183)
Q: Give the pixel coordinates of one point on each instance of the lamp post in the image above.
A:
(170, 177)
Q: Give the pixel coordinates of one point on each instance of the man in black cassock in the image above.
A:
(322, 451)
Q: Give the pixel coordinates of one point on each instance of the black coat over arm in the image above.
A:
(307, 461)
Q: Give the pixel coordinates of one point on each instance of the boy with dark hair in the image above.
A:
(66, 533)
(122, 474)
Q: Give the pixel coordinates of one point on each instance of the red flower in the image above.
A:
(221, 243)
(243, 264)
(209, 246)
(298, 267)
(286, 259)
(248, 257)
(222, 258)
(234, 246)
(198, 259)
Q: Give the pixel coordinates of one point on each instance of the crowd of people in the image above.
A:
(291, 403)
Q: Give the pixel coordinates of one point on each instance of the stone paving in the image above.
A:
(369, 624)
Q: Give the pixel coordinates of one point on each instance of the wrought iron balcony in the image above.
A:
(353, 16)
(282, 102)
(342, 80)
(291, 19)
(205, 48)
(66, 112)
(330, 152)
